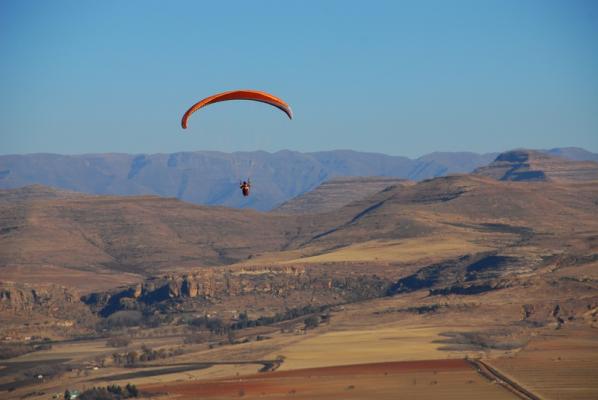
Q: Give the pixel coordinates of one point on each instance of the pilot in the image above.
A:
(245, 185)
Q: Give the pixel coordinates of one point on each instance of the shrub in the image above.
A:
(14, 350)
(118, 341)
(311, 322)
(193, 339)
(111, 392)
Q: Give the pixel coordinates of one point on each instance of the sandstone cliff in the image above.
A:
(274, 286)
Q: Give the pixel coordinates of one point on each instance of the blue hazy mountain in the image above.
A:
(207, 177)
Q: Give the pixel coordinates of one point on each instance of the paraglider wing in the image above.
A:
(253, 95)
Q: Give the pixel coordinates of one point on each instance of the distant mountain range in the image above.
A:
(211, 178)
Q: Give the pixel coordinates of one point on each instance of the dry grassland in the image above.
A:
(84, 281)
(405, 250)
(561, 366)
(393, 343)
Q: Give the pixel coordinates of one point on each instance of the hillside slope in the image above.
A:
(129, 234)
(336, 193)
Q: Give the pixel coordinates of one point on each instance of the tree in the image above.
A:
(117, 357)
(231, 337)
(132, 390)
(118, 341)
(132, 358)
(116, 389)
(312, 322)
(100, 361)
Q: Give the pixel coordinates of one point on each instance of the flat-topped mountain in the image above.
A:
(530, 165)
(573, 153)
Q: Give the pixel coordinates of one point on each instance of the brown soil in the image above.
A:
(383, 380)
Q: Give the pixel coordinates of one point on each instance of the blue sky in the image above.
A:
(398, 77)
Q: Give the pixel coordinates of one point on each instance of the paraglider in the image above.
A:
(245, 186)
(253, 95)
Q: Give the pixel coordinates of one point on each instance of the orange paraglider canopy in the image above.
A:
(253, 95)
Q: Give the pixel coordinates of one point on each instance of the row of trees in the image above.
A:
(118, 341)
(214, 325)
(133, 357)
(111, 392)
(10, 350)
(219, 327)
(293, 313)
(134, 318)
(14, 349)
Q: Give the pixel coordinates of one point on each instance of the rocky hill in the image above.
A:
(18, 298)
(529, 165)
(59, 306)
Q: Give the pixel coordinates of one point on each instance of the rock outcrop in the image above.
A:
(214, 286)
(18, 298)
(48, 300)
